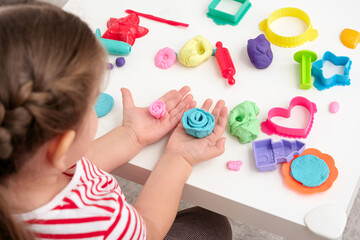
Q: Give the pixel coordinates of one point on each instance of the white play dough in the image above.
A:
(328, 221)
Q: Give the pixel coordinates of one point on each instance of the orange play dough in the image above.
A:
(291, 182)
(350, 38)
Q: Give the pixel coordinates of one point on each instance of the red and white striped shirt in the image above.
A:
(91, 206)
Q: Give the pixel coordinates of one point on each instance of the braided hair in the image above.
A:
(51, 66)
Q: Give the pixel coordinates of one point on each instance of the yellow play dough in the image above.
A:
(196, 51)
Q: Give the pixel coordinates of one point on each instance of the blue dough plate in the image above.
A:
(309, 170)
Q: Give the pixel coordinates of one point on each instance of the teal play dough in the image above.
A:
(309, 170)
(104, 104)
(198, 123)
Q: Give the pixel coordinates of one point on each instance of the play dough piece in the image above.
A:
(104, 104)
(334, 107)
(157, 108)
(259, 52)
(198, 123)
(243, 123)
(234, 165)
(120, 61)
(310, 170)
(196, 51)
(165, 58)
(327, 221)
(110, 66)
(350, 38)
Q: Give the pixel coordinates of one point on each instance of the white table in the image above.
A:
(258, 198)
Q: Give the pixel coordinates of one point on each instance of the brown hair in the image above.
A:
(50, 65)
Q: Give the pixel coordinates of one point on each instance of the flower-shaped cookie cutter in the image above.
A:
(321, 82)
(291, 182)
(269, 127)
(309, 34)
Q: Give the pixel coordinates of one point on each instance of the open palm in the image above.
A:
(145, 127)
(196, 150)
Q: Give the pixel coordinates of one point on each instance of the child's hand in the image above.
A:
(145, 127)
(195, 150)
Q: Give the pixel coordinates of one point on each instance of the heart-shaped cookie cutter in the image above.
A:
(269, 127)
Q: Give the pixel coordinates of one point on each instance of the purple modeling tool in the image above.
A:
(259, 52)
(268, 153)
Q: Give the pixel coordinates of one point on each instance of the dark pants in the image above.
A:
(199, 224)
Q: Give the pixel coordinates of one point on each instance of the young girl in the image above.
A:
(51, 68)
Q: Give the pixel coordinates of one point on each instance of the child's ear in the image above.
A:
(58, 148)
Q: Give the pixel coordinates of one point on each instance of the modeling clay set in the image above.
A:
(304, 170)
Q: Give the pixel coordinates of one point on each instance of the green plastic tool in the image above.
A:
(305, 58)
(222, 18)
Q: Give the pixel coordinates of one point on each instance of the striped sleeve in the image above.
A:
(94, 208)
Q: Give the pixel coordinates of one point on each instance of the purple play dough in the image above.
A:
(259, 52)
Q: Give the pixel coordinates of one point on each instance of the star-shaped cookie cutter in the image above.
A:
(321, 82)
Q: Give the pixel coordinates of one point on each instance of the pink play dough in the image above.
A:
(234, 165)
(165, 58)
(334, 107)
(157, 108)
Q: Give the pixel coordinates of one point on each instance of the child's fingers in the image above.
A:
(207, 104)
(217, 149)
(216, 111)
(165, 98)
(221, 123)
(182, 105)
(176, 98)
(128, 101)
(192, 104)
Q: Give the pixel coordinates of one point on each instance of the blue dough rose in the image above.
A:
(198, 123)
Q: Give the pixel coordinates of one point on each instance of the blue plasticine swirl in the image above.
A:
(198, 123)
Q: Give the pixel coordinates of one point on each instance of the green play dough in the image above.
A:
(243, 123)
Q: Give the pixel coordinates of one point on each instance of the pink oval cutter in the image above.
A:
(269, 127)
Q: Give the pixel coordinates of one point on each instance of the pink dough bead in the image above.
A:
(157, 108)
(165, 58)
(334, 107)
(234, 165)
